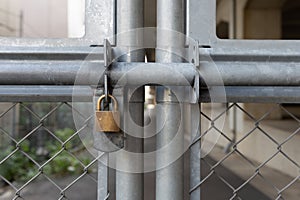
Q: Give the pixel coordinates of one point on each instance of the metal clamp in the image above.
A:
(194, 55)
(107, 53)
(107, 61)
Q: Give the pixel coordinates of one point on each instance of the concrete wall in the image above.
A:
(76, 18)
(41, 18)
(225, 13)
(262, 23)
(9, 17)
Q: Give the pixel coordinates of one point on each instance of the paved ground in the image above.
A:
(213, 189)
(85, 189)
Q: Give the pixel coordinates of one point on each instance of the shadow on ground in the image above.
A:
(86, 188)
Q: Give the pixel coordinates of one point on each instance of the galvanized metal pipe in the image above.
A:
(170, 30)
(169, 176)
(102, 187)
(195, 149)
(169, 180)
(232, 72)
(246, 94)
(251, 94)
(129, 184)
(91, 73)
(250, 73)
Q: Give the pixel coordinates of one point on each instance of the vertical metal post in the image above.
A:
(195, 155)
(130, 185)
(234, 20)
(102, 177)
(233, 114)
(170, 22)
(169, 180)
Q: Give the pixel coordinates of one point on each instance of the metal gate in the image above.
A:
(192, 69)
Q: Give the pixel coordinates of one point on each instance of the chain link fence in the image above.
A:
(42, 156)
(255, 156)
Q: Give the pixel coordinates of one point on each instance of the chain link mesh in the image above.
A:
(42, 156)
(255, 158)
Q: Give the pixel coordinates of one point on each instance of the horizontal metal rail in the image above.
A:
(251, 94)
(13, 93)
(66, 72)
(215, 73)
(29, 54)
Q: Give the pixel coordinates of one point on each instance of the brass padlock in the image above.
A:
(108, 121)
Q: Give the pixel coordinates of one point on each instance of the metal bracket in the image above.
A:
(196, 89)
(107, 62)
(194, 55)
(107, 53)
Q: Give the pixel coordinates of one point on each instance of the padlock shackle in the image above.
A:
(101, 98)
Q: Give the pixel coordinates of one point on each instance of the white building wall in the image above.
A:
(76, 18)
(41, 18)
